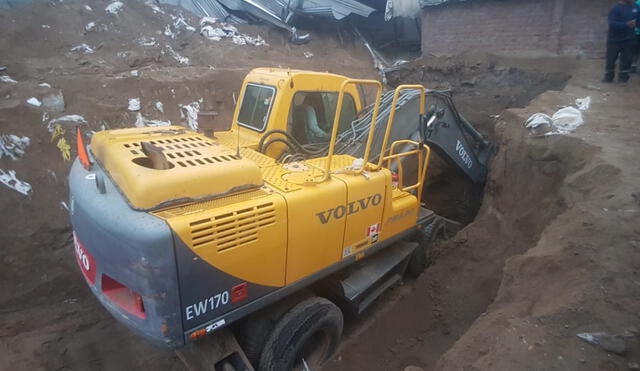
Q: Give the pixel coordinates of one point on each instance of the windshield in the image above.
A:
(256, 106)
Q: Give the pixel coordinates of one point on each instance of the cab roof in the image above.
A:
(271, 76)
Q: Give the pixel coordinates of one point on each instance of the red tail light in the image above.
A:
(82, 150)
(123, 296)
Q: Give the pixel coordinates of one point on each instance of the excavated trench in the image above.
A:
(416, 323)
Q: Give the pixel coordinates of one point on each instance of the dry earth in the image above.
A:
(554, 249)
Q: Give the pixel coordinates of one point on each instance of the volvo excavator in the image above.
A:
(244, 248)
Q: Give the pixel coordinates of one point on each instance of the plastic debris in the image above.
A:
(135, 73)
(567, 120)
(610, 343)
(564, 121)
(83, 48)
(176, 56)
(583, 104)
(190, 112)
(156, 9)
(7, 79)
(13, 146)
(46, 26)
(114, 8)
(3, 68)
(142, 122)
(160, 106)
(168, 32)
(146, 41)
(134, 104)
(90, 26)
(308, 55)
(9, 179)
(224, 30)
(88, 8)
(44, 85)
(34, 102)
(66, 119)
(180, 23)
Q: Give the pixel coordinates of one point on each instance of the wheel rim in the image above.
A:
(313, 352)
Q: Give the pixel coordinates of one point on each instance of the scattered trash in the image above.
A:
(180, 23)
(13, 146)
(160, 106)
(583, 104)
(308, 55)
(208, 30)
(610, 343)
(9, 179)
(34, 102)
(114, 8)
(46, 26)
(168, 32)
(176, 56)
(83, 48)
(64, 206)
(44, 85)
(190, 112)
(66, 119)
(54, 101)
(90, 26)
(134, 104)
(567, 120)
(156, 9)
(7, 79)
(135, 73)
(88, 8)
(564, 121)
(142, 122)
(3, 68)
(146, 41)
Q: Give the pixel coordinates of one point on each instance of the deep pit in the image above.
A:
(504, 219)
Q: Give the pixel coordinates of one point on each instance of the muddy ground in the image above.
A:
(553, 250)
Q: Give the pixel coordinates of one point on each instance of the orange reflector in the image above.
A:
(82, 150)
(198, 334)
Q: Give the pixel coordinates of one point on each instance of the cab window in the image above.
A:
(312, 113)
(256, 106)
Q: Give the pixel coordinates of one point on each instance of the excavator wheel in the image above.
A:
(305, 338)
(420, 258)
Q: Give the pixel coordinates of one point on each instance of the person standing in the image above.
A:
(621, 39)
(636, 55)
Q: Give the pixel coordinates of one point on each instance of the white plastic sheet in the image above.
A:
(134, 104)
(142, 122)
(10, 180)
(114, 8)
(190, 112)
(13, 146)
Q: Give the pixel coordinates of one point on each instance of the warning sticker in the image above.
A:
(346, 251)
(373, 232)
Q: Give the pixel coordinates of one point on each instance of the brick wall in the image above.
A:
(557, 26)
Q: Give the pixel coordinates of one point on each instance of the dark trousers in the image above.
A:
(624, 50)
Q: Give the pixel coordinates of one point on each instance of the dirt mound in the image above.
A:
(552, 253)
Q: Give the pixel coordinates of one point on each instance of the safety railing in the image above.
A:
(423, 155)
(336, 122)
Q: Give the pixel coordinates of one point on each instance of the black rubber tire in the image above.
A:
(421, 256)
(256, 328)
(314, 319)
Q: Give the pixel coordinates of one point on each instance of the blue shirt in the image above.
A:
(619, 15)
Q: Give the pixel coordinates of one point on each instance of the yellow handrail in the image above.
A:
(336, 122)
(392, 116)
(423, 164)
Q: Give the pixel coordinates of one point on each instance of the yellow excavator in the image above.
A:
(242, 248)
